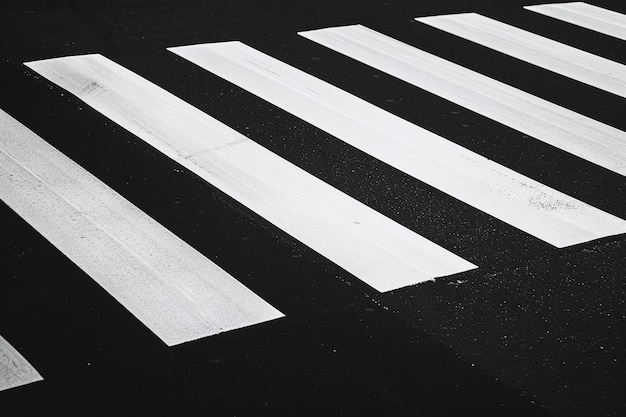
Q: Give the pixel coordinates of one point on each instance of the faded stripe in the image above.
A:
(586, 15)
(170, 287)
(579, 65)
(572, 132)
(374, 248)
(15, 371)
(473, 179)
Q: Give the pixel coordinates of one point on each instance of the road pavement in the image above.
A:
(533, 330)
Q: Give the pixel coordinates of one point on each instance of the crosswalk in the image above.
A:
(181, 295)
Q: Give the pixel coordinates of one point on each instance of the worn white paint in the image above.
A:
(579, 65)
(15, 371)
(586, 15)
(582, 136)
(375, 249)
(170, 287)
(473, 179)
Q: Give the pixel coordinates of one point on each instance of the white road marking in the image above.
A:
(579, 65)
(170, 287)
(374, 248)
(473, 179)
(582, 136)
(586, 15)
(15, 371)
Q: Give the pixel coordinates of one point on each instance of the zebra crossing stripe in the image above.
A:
(377, 250)
(562, 59)
(467, 176)
(586, 15)
(15, 371)
(170, 287)
(582, 136)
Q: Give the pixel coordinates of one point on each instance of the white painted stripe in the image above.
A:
(15, 371)
(582, 136)
(586, 15)
(579, 65)
(497, 190)
(369, 245)
(174, 290)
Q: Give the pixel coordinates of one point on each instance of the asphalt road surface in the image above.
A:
(537, 329)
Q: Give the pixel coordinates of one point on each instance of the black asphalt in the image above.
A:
(534, 331)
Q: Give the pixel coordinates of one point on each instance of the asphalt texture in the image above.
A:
(535, 331)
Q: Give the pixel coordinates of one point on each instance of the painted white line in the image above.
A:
(579, 65)
(15, 371)
(473, 179)
(582, 136)
(170, 287)
(374, 248)
(586, 15)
